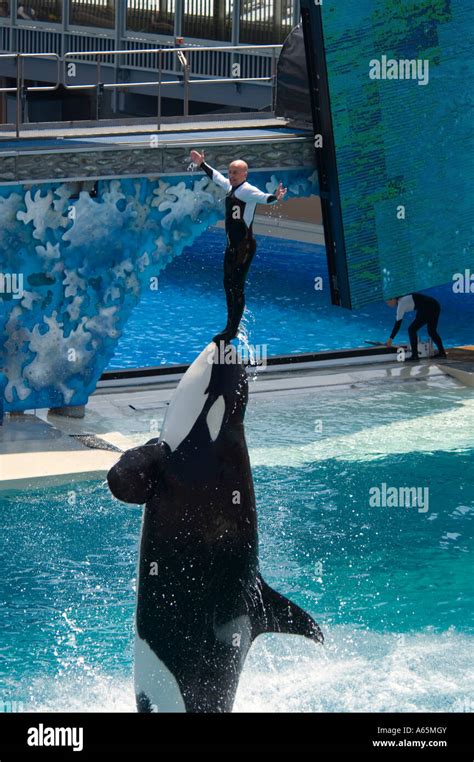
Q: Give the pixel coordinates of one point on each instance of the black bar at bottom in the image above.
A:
(433, 735)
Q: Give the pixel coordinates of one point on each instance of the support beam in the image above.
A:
(277, 17)
(236, 9)
(120, 24)
(178, 18)
(13, 27)
(65, 27)
(296, 12)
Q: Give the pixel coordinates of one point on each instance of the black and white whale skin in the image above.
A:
(201, 600)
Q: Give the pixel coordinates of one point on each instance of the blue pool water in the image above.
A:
(391, 588)
(172, 324)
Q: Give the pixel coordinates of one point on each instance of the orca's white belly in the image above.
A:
(154, 679)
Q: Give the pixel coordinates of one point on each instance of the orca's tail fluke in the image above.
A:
(281, 615)
(134, 478)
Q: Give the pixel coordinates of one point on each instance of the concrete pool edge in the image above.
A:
(87, 471)
(322, 360)
(34, 450)
(43, 446)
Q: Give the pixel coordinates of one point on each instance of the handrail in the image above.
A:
(192, 49)
(20, 88)
(54, 56)
(99, 86)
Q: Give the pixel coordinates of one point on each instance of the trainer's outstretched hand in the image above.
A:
(281, 192)
(197, 157)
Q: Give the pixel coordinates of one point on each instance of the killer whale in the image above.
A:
(201, 599)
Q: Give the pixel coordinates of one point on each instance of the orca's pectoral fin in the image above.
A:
(281, 615)
(135, 476)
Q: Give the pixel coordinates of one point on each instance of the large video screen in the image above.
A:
(398, 75)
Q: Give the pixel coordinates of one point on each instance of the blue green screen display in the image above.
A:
(400, 79)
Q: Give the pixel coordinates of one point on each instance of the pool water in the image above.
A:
(173, 323)
(390, 587)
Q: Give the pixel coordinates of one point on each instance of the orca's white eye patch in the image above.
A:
(215, 417)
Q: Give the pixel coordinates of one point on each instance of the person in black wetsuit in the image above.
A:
(240, 203)
(427, 313)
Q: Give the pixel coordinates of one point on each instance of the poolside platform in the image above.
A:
(127, 412)
(141, 126)
(75, 152)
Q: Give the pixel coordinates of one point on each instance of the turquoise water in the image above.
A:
(285, 312)
(390, 587)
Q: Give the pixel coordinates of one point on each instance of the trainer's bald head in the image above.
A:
(238, 171)
(239, 164)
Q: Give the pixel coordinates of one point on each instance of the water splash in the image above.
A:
(243, 335)
(356, 671)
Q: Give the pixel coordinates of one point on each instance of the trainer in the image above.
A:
(240, 204)
(427, 313)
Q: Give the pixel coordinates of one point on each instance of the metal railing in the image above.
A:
(20, 89)
(182, 55)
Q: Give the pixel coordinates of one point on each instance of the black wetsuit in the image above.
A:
(240, 204)
(427, 313)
